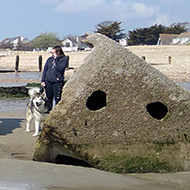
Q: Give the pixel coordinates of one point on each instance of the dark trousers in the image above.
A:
(53, 91)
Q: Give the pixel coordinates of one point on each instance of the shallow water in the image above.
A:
(21, 75)
(19, 79)
(13, 104)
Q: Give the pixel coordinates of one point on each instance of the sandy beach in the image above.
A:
(18, 171)
(157, 56)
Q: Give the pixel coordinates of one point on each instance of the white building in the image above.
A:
(69, 45)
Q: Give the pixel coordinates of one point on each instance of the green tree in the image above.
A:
(111, 29)
(176, 29)
(142, 36)
(149, 36)
(46, 40)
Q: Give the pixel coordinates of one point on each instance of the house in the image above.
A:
(13, 43)
(69, 45)
(166, 39)
(75, 44)
(174, 39)
(182, 39)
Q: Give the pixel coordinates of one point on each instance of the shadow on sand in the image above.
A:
(8, 125)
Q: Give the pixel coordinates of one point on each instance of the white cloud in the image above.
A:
(117, 2)
(76, 6)
(143, 10)
(112, 10)
(133, 11)
(117, 8)
(151, 13)
(172, 1)
(49, 1)
(163, 19)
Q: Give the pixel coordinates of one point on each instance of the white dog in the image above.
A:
(38, 109)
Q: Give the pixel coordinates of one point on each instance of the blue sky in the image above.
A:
(30, 18)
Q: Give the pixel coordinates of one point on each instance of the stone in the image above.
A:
(114, 101)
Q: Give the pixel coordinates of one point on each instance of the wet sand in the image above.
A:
(18, 171)
(29, 175)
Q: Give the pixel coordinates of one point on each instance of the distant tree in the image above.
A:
(45, 40)
(175, 29)
(70, 37)
(111, 29)
(24, 46)
(149, 36)
(6, 44)
(142, 36)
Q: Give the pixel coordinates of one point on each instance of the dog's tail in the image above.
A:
(32, 91)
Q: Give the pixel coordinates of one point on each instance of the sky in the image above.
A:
(30, 18)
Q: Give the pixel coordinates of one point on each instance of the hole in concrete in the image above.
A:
(96, 101)
(157, 110)
(74, 131)
(185, 135)
(67, 160)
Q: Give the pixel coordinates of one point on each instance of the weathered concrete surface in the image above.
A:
(115, 98)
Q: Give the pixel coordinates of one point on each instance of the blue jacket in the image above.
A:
(54, 73)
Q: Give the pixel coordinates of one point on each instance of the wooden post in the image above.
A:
(17, 63)
(143, 57)
(40, 63)
(68, 61)
(170, 59)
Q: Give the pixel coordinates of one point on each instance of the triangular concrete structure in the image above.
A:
(115, 97)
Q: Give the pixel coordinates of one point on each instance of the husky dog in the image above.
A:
(38, 109)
